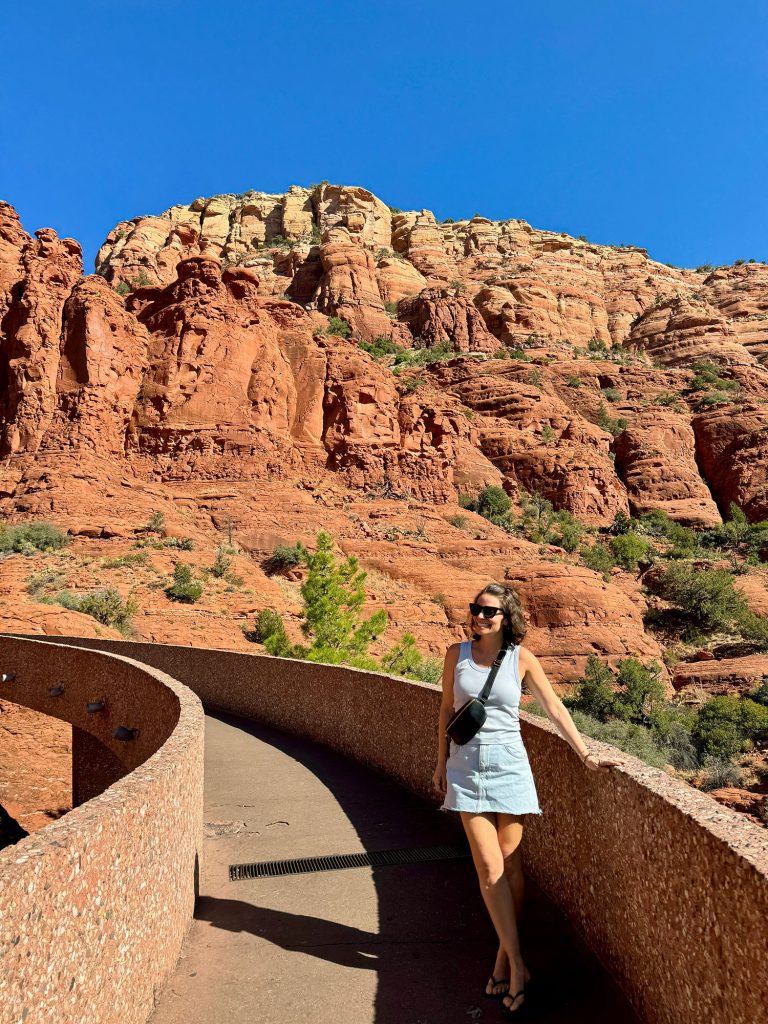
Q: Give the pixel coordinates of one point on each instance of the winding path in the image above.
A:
(398, 945)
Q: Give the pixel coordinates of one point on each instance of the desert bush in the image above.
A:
(221, 563)
(566, 531)
(639, 690)
(106, 606)
(339, 327)
(123, 288)
(629, 550)
(612, 394)
(391, 309)
(405, 659)
(719, 772)
(285, 556)
(593, 693)
(183, 586)
(28, 538)
(598, 558)
(155, 523)
(636, 740)
(380, 347)
(493, 503)
(706, 596)
(724, 723)
(458, 520)
(128, 561)
(535, 378)
(607, 422)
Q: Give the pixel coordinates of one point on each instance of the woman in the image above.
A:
(488, 780)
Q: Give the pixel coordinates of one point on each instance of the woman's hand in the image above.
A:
(600, 764)
(439, 779)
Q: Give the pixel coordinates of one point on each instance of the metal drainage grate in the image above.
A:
(375, 859)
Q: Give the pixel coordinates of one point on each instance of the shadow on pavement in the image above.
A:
(435, 945)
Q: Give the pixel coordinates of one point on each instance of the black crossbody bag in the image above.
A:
(468, 720)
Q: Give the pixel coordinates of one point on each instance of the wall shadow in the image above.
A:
(435, 946)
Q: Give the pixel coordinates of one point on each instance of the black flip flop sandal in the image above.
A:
(518, 1013)
(493, 982)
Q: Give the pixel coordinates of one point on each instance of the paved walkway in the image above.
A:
(409, 944)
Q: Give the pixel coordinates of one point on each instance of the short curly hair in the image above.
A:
(514, 619)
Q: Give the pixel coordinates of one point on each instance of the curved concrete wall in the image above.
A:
(94, 907)
(669, 888)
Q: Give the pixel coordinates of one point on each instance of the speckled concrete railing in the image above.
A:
(669, 888)
(94, 908)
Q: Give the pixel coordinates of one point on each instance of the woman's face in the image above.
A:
(481, 624)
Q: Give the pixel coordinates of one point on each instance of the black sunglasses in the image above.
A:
(484, 610)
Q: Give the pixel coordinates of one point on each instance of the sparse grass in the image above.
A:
(128, 561)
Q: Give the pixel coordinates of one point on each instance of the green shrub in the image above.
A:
(123, 288)
(574, 382)
(640, 689)
(493, 503)
(760, 693)
(458, 521)
(267, 623)
(707, 375)
(596, 345)
(537, 517)
(535, 378)
(566, 531)
(338, 327)
(636, 740)
(155, 523)
(143, 280)
(706, 597)
(221, 563)
(106, 606)
(724, 723)
(612, 394)
(404, 658)
(597, 558)
(380, 347)
(179, 543)
(468, 502)
(629, 549)
(425, 356)
(621, 523)
(391, 309)
(183, 587)
(607, 422)
(593, 694)
(547, 434)
(27, 538)
(285, 556)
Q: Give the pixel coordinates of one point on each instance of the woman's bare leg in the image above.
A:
(487, 855)
(509, 828)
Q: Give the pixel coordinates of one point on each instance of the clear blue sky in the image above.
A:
(636, 122)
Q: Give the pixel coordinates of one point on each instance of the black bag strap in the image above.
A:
(486, 690)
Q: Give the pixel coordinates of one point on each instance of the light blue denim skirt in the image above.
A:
(490, 777)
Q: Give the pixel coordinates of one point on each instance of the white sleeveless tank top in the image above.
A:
(502, 724)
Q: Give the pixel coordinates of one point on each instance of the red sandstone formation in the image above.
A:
(195, 375)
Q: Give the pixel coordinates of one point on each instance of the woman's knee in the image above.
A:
(490, 868)
(513, 862)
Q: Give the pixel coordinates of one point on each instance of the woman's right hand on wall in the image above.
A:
(439, 780)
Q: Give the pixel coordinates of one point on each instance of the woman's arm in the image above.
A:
(535, 678)
(446, 710)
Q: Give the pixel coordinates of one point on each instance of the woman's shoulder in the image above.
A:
(455, 649)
